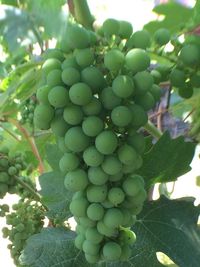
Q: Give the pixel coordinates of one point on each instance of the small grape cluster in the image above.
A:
(25, 220)
(3, 210)
(27, 110)
(97, 91)
(10, 166)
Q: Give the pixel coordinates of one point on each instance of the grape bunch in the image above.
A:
(27, 110)
(25, 220)
(3, 210)
(98, 89)
(10, 166)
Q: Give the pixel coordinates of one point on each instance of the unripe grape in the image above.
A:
(92, 156)
(110, 27)
(139, 116)
(109, 99)
(73, 114)
(139, 39)
(126, 253)
(43, 114)
(125, 29)
(156, 76)
(54, 78)
(114, 60)
(51, 64)
(116, 195)
(132, 185)
(123, 86)
(112, 251)
(79, 241)
(53, 53)
(137, 60)
(4, 177)
(92, 126)
(111, 165)
(59, 126)
(86, 222)
(91, 248)
(177, 78)
(92, 258)
(93, 107)
(106, 142)
(185, 92)
(76, 140)
(58, 97)
(76, 180)
(121, 116)
(137, 141)
(156, 92)
(146, 101)
(42, 94)
(104, 230)
(70, 62)
(77, 37)
(70, 76)
(127, 154)
(143, 82)
(84, 57)
(195, 80)
(80, 94)
(113, 218)
(127, 237)
(95, 211)
(97, 176)
(68, 162)
(162, 36)
(190, 55)
(96, 193)
(78, 207)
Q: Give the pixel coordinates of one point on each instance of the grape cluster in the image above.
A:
(10, 166)
(27, 110)
(3, 210)
(25, 220)
(97, 91)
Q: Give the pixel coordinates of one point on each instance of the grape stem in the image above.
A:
(79, 9)
(31, 141)
(150, 128)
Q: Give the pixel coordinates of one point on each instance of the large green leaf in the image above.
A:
(54, 195)
(175, 16)
(167, 160)
(168, 226)
(53, 155)
(53, 247)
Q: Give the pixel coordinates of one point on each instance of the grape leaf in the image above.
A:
(53, 155)
(52, 247)
(168, 226)
(167, 160)
(175, 16)
(54, 195)
(196, 17)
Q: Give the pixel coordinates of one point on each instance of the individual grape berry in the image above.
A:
(76, 180)
(104, 230)
(139, 116)
(126, 253)
(68, 162)
(156, 92)
(79, 241)
(92, 156)
(42, 94)
(109, 99)
(195, 80)
(116, 195)
(127, 154)
(146, 101)
(143, 82)
(162, 36)
(113, 217)
(54, 78)
(112, 251)
(58, 97)
(93, 107)
(70, 76)
(139, 39)
(78, 207)
(97, 176)
(86, 222)
(95, 211)
(110, 27)
(91, 248)
(137, 60)
(53, 53)
(121, 116)
(70, 62)
(80, 94)
(59, 126)
(137, 141)
(93, 235)
(114, 60)
(127, 237)
(92, 126)
(190, 55)
(133, 184)
(111, 165)
(84, 57)
(77, 37)
(4, 177)
(125, 29)
(51, 64)
(96, 193)
(12, 170)
(177, 77)
(156, 76)
(43, 115)
(92, 258)
(185, 92)
(76, 140)
(106, 142)
(123, 86)
(73, 114)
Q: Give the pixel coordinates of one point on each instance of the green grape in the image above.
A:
(96, 193)
(123, 86)
(143, 82)
(92, 108)
(76, 180)
(139, 198)
(126, 253)
(146, 101)
(121, 116)
(92, 156)
(162, 36)
(20, 227)
(137, 60)
(132, 185)
(73, 114)
(53, 53)
(127, 217)
(43, 114)
(109, 99)
(58, 97)
(93, 37)
(76, 140)
(54, 78)
(97, 176)
(125, 29)
(113, 218)
(77, 37)
(164, 72)
(79, 228)
(42, 94)
(156, 76)
(104, 230)
(110, 27)
(177, 77)
(5, 207)
(78, 207)
(117, 177)
(94, 78)
(92, 126)
(59, 126)
(190, 55)
(70, 62)
(185, 92)
(4, 177)
(127, 154)
(111, 165)
(80, 94)
(156, 92)
(4, 162)
(68, 162)
(95, 211)
(79, 241)
(84, 57)
(127, 237)
(137, 141)
(70, 76)
(107, 204)
(106, 142)
(86, 222)
(195, 80)
(114, 60)
(61, 144)
(112, 251)
(93, 235)
(116, 195)
(12, 170)
(139, 39)
(92, 258)
(139, 116)
(91, 248)
(51, 64)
